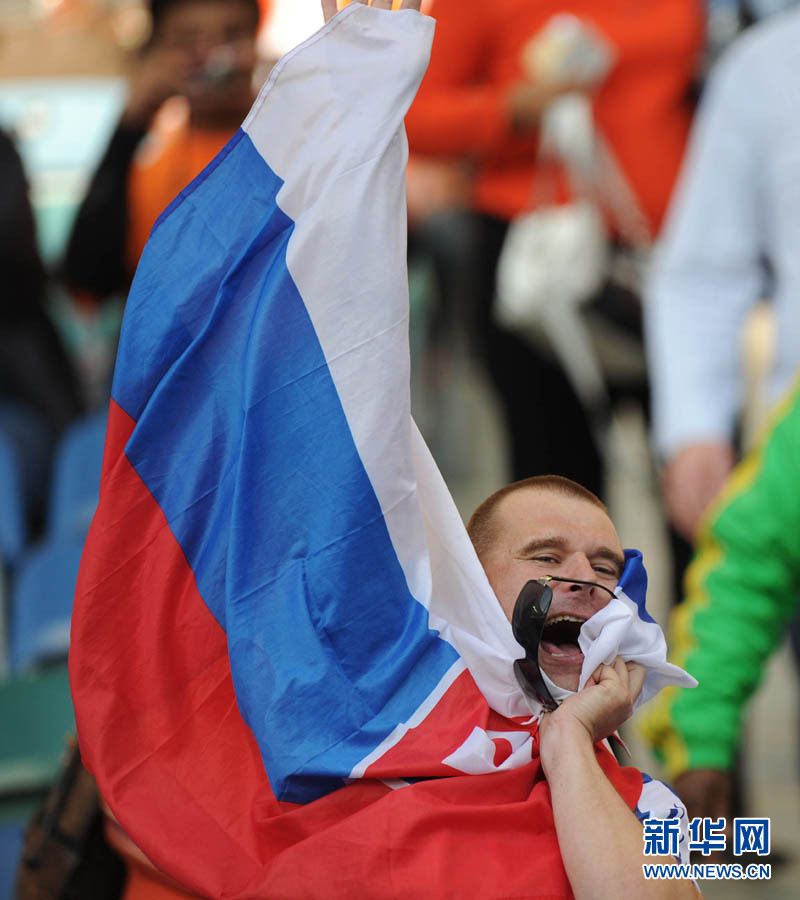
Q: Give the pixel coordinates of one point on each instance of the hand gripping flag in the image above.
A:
(291, 677)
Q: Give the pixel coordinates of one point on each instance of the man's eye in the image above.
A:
(605, 570)
(546, 558)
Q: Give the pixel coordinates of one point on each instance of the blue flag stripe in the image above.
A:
(634, 582)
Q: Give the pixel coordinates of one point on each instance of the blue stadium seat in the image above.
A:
(11, 837)
(76, 477)
(13, 530)
(41, 602)
(35, 718)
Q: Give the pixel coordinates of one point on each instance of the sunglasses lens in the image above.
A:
(527, 622)
(530, 612)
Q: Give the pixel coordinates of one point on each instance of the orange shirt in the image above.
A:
(171, 157)
(642, 107)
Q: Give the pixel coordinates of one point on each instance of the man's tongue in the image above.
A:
(560, 638)
(562, 651)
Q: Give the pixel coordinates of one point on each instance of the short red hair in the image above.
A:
(481, 525)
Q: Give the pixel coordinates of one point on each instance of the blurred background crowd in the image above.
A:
(604, 264)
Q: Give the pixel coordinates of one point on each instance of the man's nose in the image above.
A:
(579, 567)
(586, 589)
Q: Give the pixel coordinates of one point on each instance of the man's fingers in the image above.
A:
(331, 7)
(631, 676)
(615, 672)
(628, 676)
(622, 671)
(636, 677)
(604, 673)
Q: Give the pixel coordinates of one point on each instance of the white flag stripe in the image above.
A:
(368, 355)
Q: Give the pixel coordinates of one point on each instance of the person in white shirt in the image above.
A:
(733, 228)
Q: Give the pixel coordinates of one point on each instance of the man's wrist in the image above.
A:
(564, 742)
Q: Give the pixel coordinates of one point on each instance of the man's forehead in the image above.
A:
(533, 512)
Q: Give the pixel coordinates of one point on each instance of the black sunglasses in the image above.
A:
(527, 624)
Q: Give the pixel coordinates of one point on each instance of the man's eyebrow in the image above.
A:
(554, 541)
(560, 543)
(611, 556)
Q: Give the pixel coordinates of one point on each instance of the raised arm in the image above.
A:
(601, 840)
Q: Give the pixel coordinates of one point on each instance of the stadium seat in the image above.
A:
(35, 719)
(76, 477)
(41, 602)
(11, 837)
(13, 532)
(4, 621)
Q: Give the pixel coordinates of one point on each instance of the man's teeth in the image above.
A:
(573, 650)
(563, 641)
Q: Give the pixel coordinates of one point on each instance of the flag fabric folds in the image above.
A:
(625, 627)
(290, 675)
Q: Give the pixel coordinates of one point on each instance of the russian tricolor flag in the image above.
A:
(286, 655)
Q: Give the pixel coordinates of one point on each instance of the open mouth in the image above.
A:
(560, 637)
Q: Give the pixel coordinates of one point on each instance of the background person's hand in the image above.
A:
(594, 712)
(161, 73)
(565, 56)
(691, 481)
(709, 793)
(526, 100)
(706, 792)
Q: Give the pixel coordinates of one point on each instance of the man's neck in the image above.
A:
(559, 694)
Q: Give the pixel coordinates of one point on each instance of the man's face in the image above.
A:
(538, 532)
(217, 43)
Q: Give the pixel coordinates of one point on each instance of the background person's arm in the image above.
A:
(460, 110)
(94, 263)
(707, 274)
(23, 273)
(741, 591)
(96, 257)
(601, 840)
